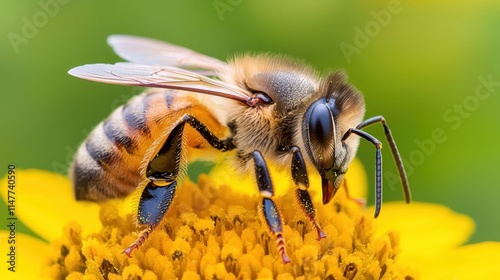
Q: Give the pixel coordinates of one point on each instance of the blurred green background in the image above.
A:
(418, 63)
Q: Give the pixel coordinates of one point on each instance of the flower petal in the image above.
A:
(30, 257)
(426, 229)
(356, 180)
(475, 261)
(45, 203)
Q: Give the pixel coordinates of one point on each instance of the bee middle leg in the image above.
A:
(299, 175)
(162, 172)
(268, 208)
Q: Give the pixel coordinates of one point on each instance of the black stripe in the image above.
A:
(116, 134)
(106, 160)
(89, 183)
(134, 114)
(83, 178)
(98, 151)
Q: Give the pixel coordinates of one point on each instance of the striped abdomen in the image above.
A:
(109, 162)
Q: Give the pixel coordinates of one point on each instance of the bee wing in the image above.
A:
(132, 74)
(154, 52)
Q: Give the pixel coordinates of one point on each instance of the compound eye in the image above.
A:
(321, 132)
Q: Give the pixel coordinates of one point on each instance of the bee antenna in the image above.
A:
(378, 158)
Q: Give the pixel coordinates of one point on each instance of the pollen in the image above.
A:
(215, 232)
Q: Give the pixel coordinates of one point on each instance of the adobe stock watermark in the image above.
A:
(63, 168)
(31, 25)
(454, 116)
(363, 37)
(223, 6)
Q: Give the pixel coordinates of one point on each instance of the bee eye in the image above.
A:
(265, 99)
(321, 124)
(260, 97)
(321, 130)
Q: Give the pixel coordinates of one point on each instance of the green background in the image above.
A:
(415, 62)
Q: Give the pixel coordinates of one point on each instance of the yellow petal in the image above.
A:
(356, 180)
(45, 203)
(426, 229)
(29, 259)
(475, 261)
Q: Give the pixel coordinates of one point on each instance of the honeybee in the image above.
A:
(263, 108)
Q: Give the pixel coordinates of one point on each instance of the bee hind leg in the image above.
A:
(268, 208)
(162, 172)
(159, 192)
(299, 174)
(153, 205)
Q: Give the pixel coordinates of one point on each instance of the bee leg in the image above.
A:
(162, 172)
(299, 174)
(159, 192)
(154, 203)
(222, 145)
(267, 208)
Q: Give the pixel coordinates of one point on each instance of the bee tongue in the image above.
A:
(328, 190)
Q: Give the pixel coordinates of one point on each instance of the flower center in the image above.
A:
(214, 232)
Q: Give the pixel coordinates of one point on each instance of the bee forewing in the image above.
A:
(160, 77)
(154, 52)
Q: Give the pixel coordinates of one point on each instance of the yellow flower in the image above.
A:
(213, 231)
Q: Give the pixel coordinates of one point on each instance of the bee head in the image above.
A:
(337, 107)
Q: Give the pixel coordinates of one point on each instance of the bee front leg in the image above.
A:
(268, 208)
(299, 174)
(159, 192)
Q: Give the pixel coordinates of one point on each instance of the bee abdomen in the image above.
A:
(107, 164)
(99, 151)
(134, 114)
(114, 129)
(128, 122)
(99, 171)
